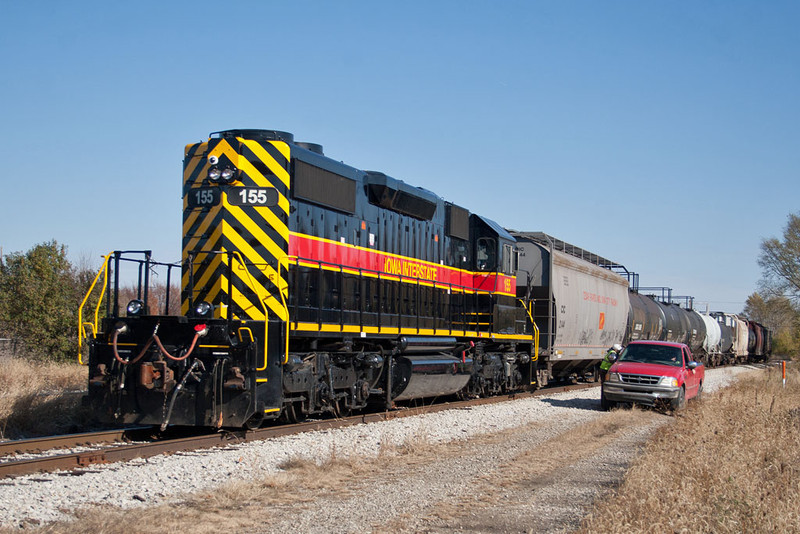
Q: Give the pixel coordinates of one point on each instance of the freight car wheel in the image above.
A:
(595, 376)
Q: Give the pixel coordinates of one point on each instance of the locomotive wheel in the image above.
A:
(255, 421)
(341, 410)
(294, 413)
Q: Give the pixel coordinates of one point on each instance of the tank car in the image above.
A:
(653, 319)
(646, 320)
(710, 352)
(580, 308)
(739, 337)
(311, 286)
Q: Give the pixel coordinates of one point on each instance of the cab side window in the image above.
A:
(508, 259)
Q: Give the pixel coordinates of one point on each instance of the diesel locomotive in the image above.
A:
(311, 286)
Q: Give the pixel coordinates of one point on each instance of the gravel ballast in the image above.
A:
(163, 479)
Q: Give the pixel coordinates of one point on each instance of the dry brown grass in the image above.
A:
(40, 398)
(730, 463)
(234, 507)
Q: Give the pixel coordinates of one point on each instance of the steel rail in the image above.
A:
(70, 461)
(65, 441)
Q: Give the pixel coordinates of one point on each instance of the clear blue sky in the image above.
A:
(663, 135)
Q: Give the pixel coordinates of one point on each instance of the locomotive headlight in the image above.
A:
(135, 308)
(214, 174)
(227, 175)
(203, 309)
(668, 381)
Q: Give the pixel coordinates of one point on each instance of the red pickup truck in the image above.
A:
(653, 373)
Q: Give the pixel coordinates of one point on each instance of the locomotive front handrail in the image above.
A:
(239, 257)
(535, 355)
(81, 332)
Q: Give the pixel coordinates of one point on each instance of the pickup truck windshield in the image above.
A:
(652, 354)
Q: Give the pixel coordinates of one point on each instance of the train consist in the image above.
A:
(310, 286)
(584, 303)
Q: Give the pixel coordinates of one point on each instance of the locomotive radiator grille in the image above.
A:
(645, 380)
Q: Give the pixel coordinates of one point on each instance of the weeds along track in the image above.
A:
(42, 455)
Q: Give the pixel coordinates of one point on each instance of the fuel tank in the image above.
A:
(434, 375)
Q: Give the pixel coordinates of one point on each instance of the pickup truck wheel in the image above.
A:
(606, 404)
(699, 392)
(680, 402)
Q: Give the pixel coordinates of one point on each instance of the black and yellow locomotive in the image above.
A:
(310, 286)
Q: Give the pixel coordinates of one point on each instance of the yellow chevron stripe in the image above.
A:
(252, 312)
(261, 293)
(208, 218)
(256, 230)
(191, 218)
(276, 168)
(241, 163)
(201, 150)
(211, 296)
(194, 161)
(282, 147)
(213, 239)
(253, 257)
(209, 271)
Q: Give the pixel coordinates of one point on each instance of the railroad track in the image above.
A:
(121, 450)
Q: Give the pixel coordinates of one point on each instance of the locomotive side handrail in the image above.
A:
(469, 318)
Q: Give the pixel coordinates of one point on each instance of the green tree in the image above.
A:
(777, 314)
(779, 308)
(780, 261)
(39, 297)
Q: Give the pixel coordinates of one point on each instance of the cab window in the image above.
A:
(485, 254)
(508, 259)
